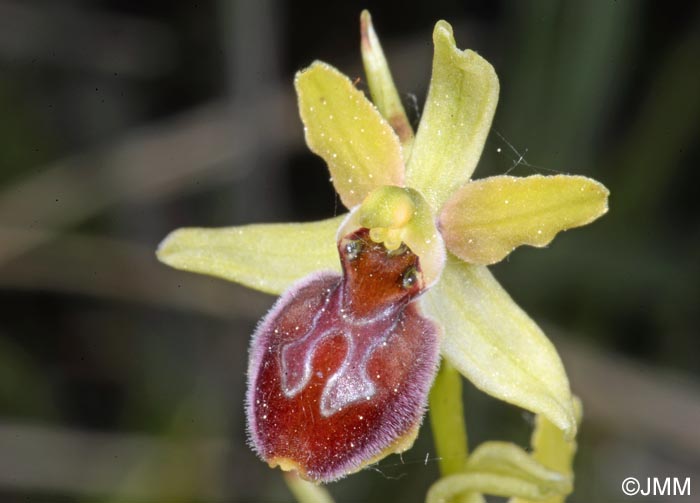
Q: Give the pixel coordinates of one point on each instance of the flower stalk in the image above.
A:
(447, 420)
(306, 492)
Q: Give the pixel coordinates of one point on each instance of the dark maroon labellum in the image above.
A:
(341, 367)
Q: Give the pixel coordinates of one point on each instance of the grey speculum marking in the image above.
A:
(365, 308)
(350, 383)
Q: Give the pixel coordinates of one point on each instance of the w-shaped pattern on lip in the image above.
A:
(340, 368)
(350, 383)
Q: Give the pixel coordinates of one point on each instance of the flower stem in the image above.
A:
(306, 492)
(447, 420)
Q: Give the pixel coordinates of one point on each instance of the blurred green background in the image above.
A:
(122, 380)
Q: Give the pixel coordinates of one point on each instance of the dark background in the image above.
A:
(122, 380)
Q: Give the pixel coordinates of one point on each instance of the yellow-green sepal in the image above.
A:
(496, 345)
(458, 112)
(343, 127)
(266, 257)
(486, 219)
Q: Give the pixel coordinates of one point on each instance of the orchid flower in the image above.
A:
(412, 193)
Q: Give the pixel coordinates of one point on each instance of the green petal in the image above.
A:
(346, 130)
(456, 120)
(266, 257)
(553, 450)
(381, 84)
(493, 343)
(486, 219)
